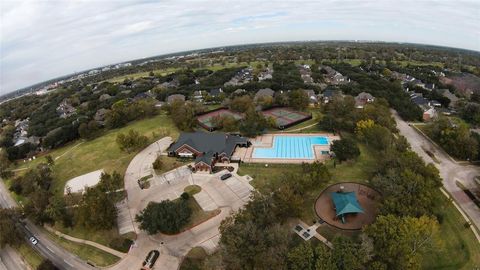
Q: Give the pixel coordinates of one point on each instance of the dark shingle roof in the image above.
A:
(209, 142)
(419, 100)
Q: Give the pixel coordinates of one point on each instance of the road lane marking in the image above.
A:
(65, 261)
(50, 249)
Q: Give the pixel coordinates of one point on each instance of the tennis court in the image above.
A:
(207, 120)
(286, 117)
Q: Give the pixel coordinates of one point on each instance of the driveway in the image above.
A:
(228, 195)
(450, 171)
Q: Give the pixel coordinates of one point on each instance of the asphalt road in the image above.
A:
(10, 260)
(449, 169)
(45, 247)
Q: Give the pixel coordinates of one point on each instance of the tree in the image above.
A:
(157, 164)
(298, 99)
(97, 209)
(47, 265)
(4, 163)
(301, 257)
(401, 242)
(347, 254)
(324, 259)
(252, 238)
(454, 137)
(131, 141)
(49, 159)
(36, 206)
(88, 130)
(57, 211)
(345, 149)
(253, 124)
(362, 126)
(9, 231)
(241, 104)
(166, 217)
(183, 115)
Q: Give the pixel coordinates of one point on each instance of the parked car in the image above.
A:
(33, 240)
(225, 176)
(150, 260)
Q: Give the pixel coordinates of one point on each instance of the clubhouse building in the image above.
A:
(206, 148)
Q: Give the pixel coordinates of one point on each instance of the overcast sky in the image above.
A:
(44, 39)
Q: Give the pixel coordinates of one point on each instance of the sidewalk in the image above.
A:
(87, 242)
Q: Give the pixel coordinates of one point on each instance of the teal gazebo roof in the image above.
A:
(346, 203)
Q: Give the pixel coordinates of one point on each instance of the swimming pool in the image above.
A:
(291, 147)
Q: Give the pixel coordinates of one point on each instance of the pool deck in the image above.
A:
(266, 141)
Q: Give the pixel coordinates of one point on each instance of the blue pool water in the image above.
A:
(291, 147)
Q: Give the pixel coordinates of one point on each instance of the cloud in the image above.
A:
(45, 39)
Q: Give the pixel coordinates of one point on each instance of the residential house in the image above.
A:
(198, 95)
(362, 99)
(329, 94)
(429, 114)
(243, 76)
(207, 149)
(65, 110)
(239, 92)
(452, 97)
(266, 74)
(263, 93)
(100, 116)
(104, 97)
(312, 98)
(172, 98)
(429, 111)
(216, 92)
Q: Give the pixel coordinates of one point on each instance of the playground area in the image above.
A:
(348, 206)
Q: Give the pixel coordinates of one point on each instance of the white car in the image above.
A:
(33, 240)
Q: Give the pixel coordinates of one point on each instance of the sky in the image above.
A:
(44, 39)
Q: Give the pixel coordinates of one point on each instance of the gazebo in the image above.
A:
(345, 203)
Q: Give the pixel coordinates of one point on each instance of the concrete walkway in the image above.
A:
(87, 242)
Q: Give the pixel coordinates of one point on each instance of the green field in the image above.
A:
(81, 157)
(133, 76)
(263, 176)
(461, 249)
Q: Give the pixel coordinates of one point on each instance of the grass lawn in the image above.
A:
(29, 255)
(418, 63)
(360, 170)
(86, 252)
(101, 153)
(170, 163)
(104, 237)
(198, 215)
(193, 259)
(192, 189)
(82, 157)
(461, 249)
(161, 72)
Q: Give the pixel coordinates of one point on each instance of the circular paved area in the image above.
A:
(366, 196)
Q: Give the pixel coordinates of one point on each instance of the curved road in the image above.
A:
(46, 247)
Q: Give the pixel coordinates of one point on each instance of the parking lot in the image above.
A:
(232, 192)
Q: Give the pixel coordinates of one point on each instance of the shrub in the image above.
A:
(157, 164)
